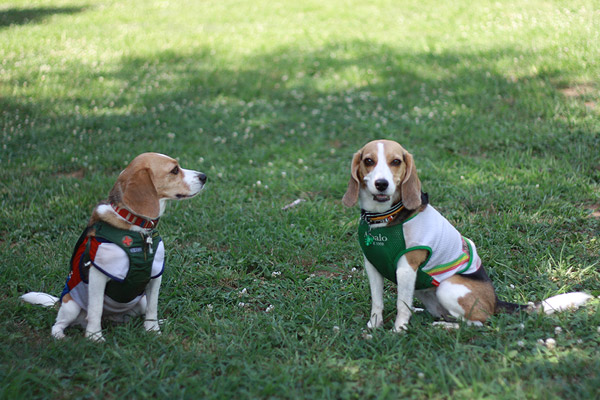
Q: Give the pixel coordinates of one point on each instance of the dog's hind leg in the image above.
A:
(431, 303)
(69, 314)
(467, 299)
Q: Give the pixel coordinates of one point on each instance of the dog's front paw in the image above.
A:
(400, 325)
(95, 336)
(152, 326)
(376, 321)
(58, 333)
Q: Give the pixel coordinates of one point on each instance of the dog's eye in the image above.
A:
(175, 170)
(369, 162)
(395, 162)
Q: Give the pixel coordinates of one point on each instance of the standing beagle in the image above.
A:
(407, 241)
(117, 263)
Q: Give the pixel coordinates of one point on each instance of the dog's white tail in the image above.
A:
(564, 302)
(40, 299)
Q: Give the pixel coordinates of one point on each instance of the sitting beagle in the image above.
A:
(117, 263)
(407, 241)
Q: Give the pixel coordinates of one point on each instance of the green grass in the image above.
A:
(497, 100)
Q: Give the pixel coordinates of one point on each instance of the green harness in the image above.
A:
(140, 249)
(384, 246)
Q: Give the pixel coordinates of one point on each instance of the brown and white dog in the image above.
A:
(423, 248)
(135, 203)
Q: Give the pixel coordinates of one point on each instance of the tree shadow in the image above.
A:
(342, 93)
(23, 16)
(429, 98)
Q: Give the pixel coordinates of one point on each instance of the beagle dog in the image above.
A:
(117, 264)
(406, 240)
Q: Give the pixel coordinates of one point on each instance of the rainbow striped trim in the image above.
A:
(463, 259)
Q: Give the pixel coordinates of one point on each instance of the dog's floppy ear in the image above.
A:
(351, 195)
(411, 185)
(138, 193)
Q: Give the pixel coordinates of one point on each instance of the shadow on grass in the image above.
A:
(341, 94)
(22, 16)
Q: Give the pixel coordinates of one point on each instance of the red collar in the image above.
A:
(135, 219)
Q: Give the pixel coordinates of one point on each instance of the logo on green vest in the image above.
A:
(377, 240)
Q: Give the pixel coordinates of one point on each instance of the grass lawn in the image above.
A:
(497, 100)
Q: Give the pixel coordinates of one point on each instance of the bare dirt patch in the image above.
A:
(595, 208)
(578, 90)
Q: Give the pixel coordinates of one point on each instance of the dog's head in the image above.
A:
(152, 178)
(382, 174)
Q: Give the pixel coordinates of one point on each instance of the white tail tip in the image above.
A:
(564, 301)
(40, 299)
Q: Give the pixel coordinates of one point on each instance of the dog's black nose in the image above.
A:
(381, 184)
(202, 177)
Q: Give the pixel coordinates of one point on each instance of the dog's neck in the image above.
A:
(395, 214)
(382, 217)
(134, 219)
(122, 218)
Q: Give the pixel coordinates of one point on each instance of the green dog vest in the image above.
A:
(140, 249)
(384, 246)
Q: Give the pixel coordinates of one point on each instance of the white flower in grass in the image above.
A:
(275, 274)
(336, 328)
(558, 330)
(550, 343)
(270, 308)
(521, 343)
(243, 292)
(171, 135)
(241, 304)
(421, 375)
(209, 307)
